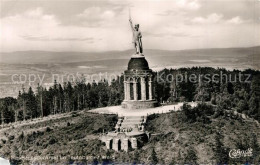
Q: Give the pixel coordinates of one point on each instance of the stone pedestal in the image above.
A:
(132, 104)
(138, 84)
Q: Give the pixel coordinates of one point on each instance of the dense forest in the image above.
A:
(229, 90)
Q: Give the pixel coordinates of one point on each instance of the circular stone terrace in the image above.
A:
(139, 112)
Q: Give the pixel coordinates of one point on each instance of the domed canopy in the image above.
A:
(138, 64)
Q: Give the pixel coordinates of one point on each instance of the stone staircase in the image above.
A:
(131, 124)
(127, 130)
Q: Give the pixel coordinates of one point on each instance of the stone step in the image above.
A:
(130, 123)
(133, 122)
(133, 128)
(129, 126)
(133, 117)
(124, 121)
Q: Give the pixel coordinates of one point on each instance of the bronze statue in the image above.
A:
(137, 38)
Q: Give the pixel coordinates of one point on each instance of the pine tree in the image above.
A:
(61, 98)
(40, 99)
(2, 112)
(24, 103)
(31, 104)
(55, 95)
(68, 94)
(7, 109)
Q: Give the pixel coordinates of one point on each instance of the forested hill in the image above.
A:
(227, 118)
(199, 135)
(236, 90)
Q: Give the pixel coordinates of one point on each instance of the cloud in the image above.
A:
(31, 19)
(103, 25)
(34, 29)
(235, 20)
(219, 18)
(95, 16)
(188, 4)
(178, 7)
(167, 13)
(212, 18)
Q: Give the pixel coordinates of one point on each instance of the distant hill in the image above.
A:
(231, 57)
(115, 62)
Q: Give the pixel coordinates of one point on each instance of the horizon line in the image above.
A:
(130, 49)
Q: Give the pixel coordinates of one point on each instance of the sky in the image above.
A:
(95, 25)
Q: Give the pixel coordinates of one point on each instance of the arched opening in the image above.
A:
(110, 144)
(119, 145)
(138, 89)
(131, 91)
(147, 88)
(129, 144)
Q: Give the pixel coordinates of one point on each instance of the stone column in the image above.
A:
(125, 144)
(125, 90)
(143, 88)
(150, 89)
(135, 90)
(143, 128)
(108, 142)
(145, 118)
(133, 143)
(128, 90)
(115, 144)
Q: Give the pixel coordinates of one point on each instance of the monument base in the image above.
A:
(140, 55)
(138, 104)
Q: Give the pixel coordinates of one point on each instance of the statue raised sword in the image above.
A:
(137, 37)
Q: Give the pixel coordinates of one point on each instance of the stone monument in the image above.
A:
(129, 132)
(138, 78)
